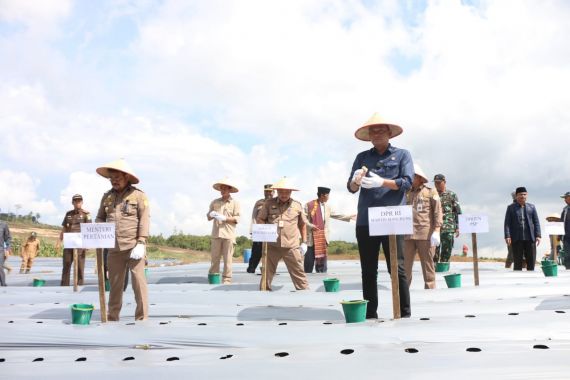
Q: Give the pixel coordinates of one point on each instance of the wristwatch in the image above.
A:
(141, 242)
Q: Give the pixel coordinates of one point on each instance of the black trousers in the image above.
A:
(256, 251)
(309, 262)
(526, 249)
(369, 250)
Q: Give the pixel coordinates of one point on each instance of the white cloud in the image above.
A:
(18, 194)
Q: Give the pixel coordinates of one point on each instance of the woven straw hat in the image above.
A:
(119, 165)
(226, 182)
(362, 132)
(284, 184)
(419, 172)
(553, 218)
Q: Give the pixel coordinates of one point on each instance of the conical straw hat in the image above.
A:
(284, 184)
(362, 132)
(120, 165)
(418, 170)
(553, 217)
(226, 182)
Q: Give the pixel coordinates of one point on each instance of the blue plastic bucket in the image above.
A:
(246, 255)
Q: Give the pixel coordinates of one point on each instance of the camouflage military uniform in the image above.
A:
(451, 210)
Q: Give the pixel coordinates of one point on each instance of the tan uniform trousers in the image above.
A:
(426, 252)
(118, 262)
(27, 262)
(222, 249)
(294, 262)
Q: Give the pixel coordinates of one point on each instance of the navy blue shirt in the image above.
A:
(395, 164)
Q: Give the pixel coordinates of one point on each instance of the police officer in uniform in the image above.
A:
(128, 208)
(291, 242)
(71, 223)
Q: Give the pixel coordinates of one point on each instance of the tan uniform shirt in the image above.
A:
(256, 209)
(130, 212)
(227, 208)
(288, 216)
(31, 247)
(426, 211)
(73, 219)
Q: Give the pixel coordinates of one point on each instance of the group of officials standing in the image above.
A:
(385, 176)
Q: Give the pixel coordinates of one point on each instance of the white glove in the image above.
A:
(373, 181)
(303, 248)
(356, 175)
(435, 239)
(138, 251)
(213, 214)
(220, 218)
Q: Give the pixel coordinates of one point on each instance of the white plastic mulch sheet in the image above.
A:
(512, 326)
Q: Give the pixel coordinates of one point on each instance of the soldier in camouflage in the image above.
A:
(450, 228)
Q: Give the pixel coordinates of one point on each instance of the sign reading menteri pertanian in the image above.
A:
(98, 235)
(391, 220)
(469, 224)
(264, 232)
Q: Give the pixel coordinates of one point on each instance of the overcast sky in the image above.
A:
(192, 91)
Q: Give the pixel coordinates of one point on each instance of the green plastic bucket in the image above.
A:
(550, 269)
(354, 310)
(453, 280)
(38, 282)
(81, 313)
(214, 278)
(146, 272)
(331, 284)
(107, 285)
(442, 267)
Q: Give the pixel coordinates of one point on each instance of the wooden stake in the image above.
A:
(475, 259)
(75, 267)
(553, 243)
(394, 275)
(101, 277)
(264, 268)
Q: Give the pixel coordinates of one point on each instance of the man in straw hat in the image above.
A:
(291, 244)
(522, 230)
(428, 219)
(450, 228)
(257, 245)
(72, 223)
(128, 208)
(29, 251)
(319, 215)
(384, 173)
(565, 218)
(225, 212)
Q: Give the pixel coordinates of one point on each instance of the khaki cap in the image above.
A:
(226, 182)
(284, 184)
(362, 132)
(119, 165)
(553, 218)
(419, 172)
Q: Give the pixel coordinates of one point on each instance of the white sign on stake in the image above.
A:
(554, 228)
(264, 232)
(98, 235)
(470, 223)
(391, 220)
(72, 240)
